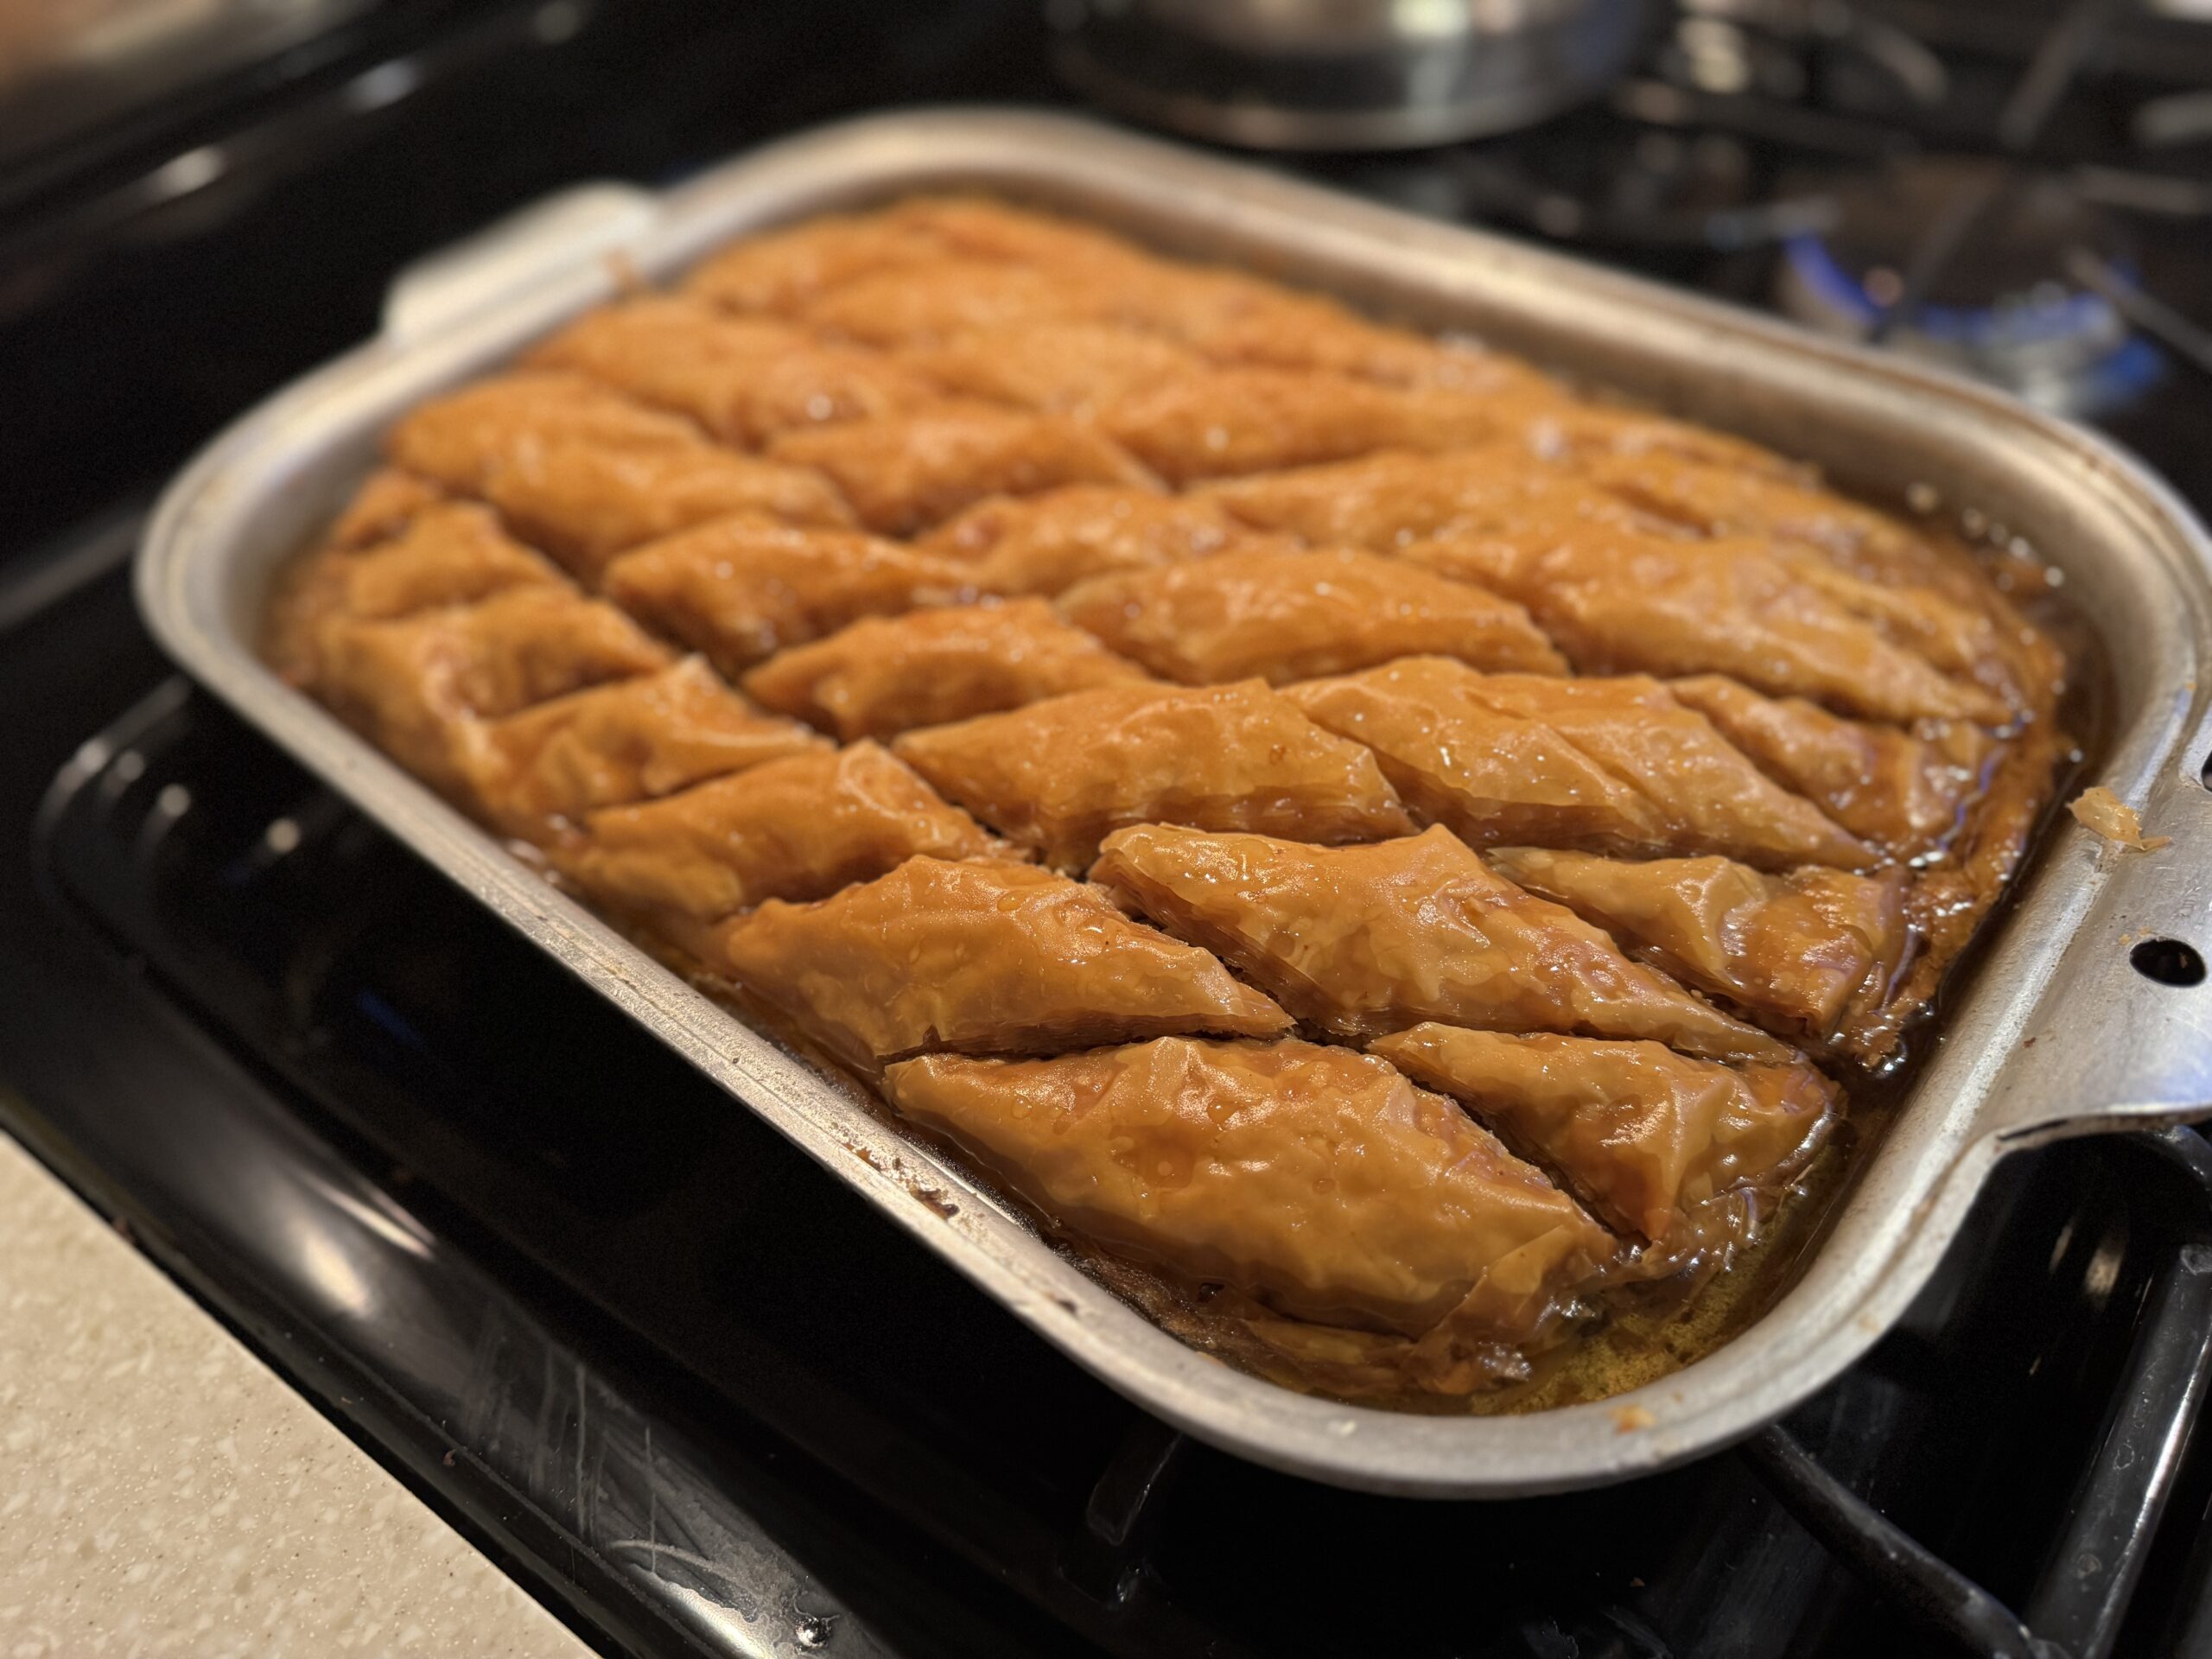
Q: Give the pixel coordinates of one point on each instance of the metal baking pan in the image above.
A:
(2058, 1031)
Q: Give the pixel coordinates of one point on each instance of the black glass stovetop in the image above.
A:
(693, 1393)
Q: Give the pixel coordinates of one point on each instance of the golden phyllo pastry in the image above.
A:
(905, 473)
(1393, 500)
(980, 958)
(1617, 598)
(1292, 616)
(744, 379)
(785, 270)
(782, 269)
(1223, 423)
(397, 562)
(798, 828)
(629, 741)
(585, 473)
(1062, 775)
(931, 304)
(1577, 433)
(1359, 940)
(1046, 543)
(887, 675)
(1318, 1179)
(1060, 368)
(417, 685)
(1906, 792)
(1603, 765)
(744, 589)
(1652, 1140)
(1717, 500)
(388, 501)
(1798, 952)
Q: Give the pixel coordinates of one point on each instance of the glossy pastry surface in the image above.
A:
(1647, 1137)
(799, 828)
(410, 683)
(1293, 616)
(744, 379)
(1317, 1178)
(1611, 765)
(907, 472)
(414, 554)
(1223, 423)
(980, 958)
(1062, 775)
(1046, 543)
(632, 740)
(1905, 791)
(1618, 599)
(887, 675)
(742, 590)
(1798, 952)
(586, 473)
(1359, 940)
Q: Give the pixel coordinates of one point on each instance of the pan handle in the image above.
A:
(516, 254)
(2121, 1034)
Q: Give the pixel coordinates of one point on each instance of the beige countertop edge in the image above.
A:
(163, 1492)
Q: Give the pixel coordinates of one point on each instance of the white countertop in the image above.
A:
(163, 1492)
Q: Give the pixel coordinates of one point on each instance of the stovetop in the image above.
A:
(691, 1391)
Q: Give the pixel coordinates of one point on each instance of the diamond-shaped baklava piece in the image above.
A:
(1657, 1144)
(633, 741)
(982, 957)
(436, 554)
(1798, 952)
(1611, 765)
(1047, 543)
(744, 589)
(1063, 774)
(419, 684)
(744, 379)
(907, 472)
(887, 675)
(1291, 616)
(1358, 940)
(585, 472)
(799, 828)
(1316, 1179)
(1906, 792)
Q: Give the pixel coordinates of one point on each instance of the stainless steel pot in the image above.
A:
(1343, 74)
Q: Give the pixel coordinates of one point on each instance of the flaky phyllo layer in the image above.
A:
(1394, 847)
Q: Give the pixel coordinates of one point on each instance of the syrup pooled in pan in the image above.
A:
(1419, 878)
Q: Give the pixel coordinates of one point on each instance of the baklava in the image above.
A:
(1384, 854)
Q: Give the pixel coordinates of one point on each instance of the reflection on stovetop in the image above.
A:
(493, 1111)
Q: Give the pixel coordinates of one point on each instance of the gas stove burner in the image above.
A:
(1976, 264)
(1830, 52)
(1343, 74)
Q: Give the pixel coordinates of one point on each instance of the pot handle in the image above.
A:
(556, 232)
(2121, 1034)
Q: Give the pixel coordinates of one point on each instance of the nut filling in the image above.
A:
(1406, 869)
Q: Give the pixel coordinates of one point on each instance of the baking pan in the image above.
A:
(2071, 1019)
